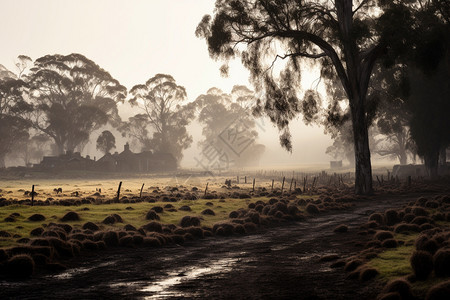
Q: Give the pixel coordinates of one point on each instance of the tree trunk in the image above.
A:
(403, 158)
(431, 164)
(363, 167)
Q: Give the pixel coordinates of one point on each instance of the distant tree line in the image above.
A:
(54, 105)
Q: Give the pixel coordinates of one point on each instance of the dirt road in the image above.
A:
(281, 262)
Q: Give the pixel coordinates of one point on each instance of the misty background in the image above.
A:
(133, 42)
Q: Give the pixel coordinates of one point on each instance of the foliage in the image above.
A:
(106, 141)
(163, 104)
(221, 114)
(72, 96)
(13, 106)
(344, 37)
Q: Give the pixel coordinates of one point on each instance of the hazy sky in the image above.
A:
(134, 40)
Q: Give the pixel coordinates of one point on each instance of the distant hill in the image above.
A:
(5, 73)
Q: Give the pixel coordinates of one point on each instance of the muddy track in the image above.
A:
(281, 262)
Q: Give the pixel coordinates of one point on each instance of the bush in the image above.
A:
(185, 208)
(422, 264)
(312, 209)
(20, 266)
(36, 218)
(153, 227)
(419, 211)
(400, 286)
(152, 215)
(37, 231)
(367, 274)
(389, 243)
(70, 216)
(109, 220)
(440, 291)
(442, 263)
(383, 235)
(377, 217)
(391, 217)
(209, 212)
(352, 265)
(111, 238)
(91, 226)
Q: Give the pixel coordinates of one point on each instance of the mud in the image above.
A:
(281, 262)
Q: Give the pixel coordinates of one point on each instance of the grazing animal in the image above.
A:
(75, 194)
(58, 190)
(228, 182)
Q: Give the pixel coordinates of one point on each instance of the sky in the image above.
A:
(134, 40)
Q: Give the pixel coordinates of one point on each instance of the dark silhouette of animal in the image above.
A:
(58, 190)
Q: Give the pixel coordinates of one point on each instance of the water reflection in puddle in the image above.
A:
(77, 271)
(160, 289)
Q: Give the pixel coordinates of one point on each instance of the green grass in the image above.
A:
(97, 213)
(393, 263)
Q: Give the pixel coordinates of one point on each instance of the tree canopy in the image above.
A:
(163, 102)
(344, 37)
(72, 96)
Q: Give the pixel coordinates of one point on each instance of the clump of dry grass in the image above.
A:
(439, 291)
(422, 264)
(19, 267)
(36, 218)
(70, 216)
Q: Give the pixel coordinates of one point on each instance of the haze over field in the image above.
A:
(136, 40)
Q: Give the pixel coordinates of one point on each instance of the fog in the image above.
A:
(135, 42)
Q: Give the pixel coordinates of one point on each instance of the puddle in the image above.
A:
(161, 289)
(68, 274)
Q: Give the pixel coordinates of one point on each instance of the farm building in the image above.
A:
(126, 161)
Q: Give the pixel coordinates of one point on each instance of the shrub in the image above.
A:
(383, 235)
(422, 264)
(389, 243)
(405, 228)
(312, 209)
(442, 263)
(111, 238)
(157, 209)
(377, 217)
(391, 217)
(240, 229)
(352, 265)
(419, 211)
(367, 274)
(153, 227)
(20, 266)
(129, 227)
(91, 226)
(439, 291)
(185, 208)
(109, 220)
(70, 216)
(37, 231)
(209, 212)
(36, 218)
(152, 215)
(126, 241)
(400, 286)
(421, 220)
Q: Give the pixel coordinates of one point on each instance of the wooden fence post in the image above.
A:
(140, 194)
(206, 189)
(282, 185)
(32, 195)
(254, 180)
(118, 190)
